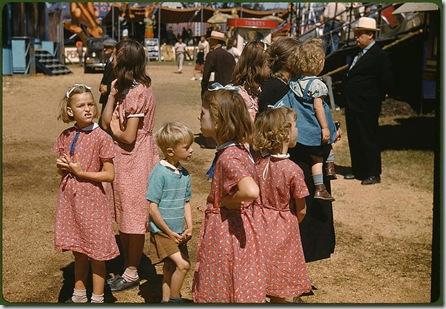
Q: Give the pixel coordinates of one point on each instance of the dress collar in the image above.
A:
(91, 127)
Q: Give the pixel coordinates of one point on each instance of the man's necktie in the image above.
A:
(359, 55)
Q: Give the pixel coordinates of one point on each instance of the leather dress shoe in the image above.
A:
(371, 180)
(349, 176)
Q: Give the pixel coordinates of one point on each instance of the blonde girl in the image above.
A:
(250, 72)
(315, 123)
(282, 193)
(83, 222)
(229, 259)
(129, 115)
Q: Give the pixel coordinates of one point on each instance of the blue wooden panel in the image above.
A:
(20, 50)
(7, 61)
(48, 46)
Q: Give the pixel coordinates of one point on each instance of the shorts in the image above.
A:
(161, 247)
(316, 153)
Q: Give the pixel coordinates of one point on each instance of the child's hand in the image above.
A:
(325, 135)
(113, 90)
(175, 237)
(69, 164)
(114, 124)
(338, 135)
(187, 235)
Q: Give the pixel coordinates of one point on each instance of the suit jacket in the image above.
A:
(107, 79)
(222, 63)
(367, 83)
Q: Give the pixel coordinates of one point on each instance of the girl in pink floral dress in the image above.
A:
(282, 193)
(229, 259)
(129, 115)
(249, 73)
(83, 221)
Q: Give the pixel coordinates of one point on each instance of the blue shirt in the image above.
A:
(170, 188)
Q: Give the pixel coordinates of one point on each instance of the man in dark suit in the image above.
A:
(368, 80)
(219, 61)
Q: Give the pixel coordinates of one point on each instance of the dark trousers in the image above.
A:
(317, 229)
(365, 153)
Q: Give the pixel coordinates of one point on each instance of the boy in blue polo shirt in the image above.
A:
(169, 194)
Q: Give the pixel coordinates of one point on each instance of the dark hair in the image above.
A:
(283, 54)
(230, 116)
(131, 62)
(252, 68)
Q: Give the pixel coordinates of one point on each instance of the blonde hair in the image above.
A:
(230, 115)
(311, 57)
(68, 99)
(273, 129)
(173, 133)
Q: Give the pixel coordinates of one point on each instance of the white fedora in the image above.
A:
(366, 23)
(218, 35)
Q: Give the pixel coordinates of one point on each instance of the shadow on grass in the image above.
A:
(150, 290)
(416, 133)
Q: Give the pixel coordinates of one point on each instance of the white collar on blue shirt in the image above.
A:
(175, 169)
(366, 49)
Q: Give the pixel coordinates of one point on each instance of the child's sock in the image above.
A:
(130, 274)
(97, 298)
(79, 296)
(318, 179)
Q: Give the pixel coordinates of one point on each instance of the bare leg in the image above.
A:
(168, 270)
(134, 250)
(182, 266)
(98, 269)
(80, 270)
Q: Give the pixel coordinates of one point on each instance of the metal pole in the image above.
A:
(350, 23)
(113, 20)
(159, 31)
(201, 24)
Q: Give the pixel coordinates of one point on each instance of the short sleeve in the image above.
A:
(188, 189)
(233, 170)
(298, 188)
(155, 186)
(136, 102)
(107, 150)
(58, 147)
(318, 89)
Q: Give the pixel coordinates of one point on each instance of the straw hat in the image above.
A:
(366, 23)
(216, 35)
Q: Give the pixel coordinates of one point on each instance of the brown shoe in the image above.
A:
(322, 193)
(330, 170)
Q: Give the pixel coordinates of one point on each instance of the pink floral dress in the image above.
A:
(252, 103)
(133, 163)
(281, 182)
(230, 266)
(83, 221)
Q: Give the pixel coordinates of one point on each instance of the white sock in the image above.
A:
(130, 274)
(79, 296)
(97, 298)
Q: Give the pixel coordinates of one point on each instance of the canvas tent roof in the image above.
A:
(174, 15)
(416, 7)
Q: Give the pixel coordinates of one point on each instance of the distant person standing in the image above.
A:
(180, 49)
(108, 76)
(80, 51)
(205, 45)
(218, 61)
(368, 80)
(333, 17)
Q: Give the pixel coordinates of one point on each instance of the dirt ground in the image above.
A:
(383, 232)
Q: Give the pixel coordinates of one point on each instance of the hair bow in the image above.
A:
(218, 86)
(69, 91)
